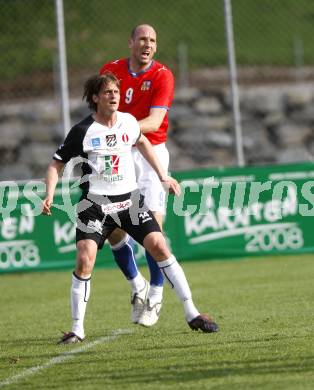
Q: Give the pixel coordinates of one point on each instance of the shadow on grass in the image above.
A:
(169, 363)
(178, 373)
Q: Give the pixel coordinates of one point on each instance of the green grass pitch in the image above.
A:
(264, 308)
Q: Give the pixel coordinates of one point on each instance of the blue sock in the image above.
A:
(156, 277)
(124, 257)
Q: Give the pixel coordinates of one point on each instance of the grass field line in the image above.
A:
(63, 357)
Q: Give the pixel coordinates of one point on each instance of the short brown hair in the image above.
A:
(94, 84)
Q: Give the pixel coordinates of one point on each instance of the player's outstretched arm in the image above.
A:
(146, 149)
(52, 175)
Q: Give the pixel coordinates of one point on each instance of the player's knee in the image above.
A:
(84, 265)
(85, 260)
(116, 237)
(156, 246)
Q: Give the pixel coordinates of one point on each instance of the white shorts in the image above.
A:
(148, 181)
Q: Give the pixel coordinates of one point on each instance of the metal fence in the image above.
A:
(274, 45)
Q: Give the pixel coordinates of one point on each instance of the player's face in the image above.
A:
(143, 45)
(108, 98)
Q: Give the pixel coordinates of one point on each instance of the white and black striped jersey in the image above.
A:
(105, 154)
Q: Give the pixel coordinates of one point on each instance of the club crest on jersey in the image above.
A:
(125, 138)
(146, 85)
(96, 142)
(111, 140)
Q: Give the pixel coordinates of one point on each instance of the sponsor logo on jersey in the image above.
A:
(111, 140)
(112, 208)
(146, 85)
(112, 178)
(96, 142)
(111, 165)
(95, 226)
(125, 138)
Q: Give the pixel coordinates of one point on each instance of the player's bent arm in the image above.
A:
(146, 149)
(52, 175)
(152, 122)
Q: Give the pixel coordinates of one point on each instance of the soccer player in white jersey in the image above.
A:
(110, 198)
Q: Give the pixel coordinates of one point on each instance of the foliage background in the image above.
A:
(267, 32)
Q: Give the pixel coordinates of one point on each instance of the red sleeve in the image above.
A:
(163, 89)
(105, 68)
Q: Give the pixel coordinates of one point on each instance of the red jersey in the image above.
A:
(142, 91)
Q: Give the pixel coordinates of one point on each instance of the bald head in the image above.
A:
(143, 46)
(140, 28)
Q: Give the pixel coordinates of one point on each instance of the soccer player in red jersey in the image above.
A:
(147, 89)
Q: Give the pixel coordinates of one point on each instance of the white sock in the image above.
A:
(80, 291)
(137, 283)
(174, 273)
(155, 294)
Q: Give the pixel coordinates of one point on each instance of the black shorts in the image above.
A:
(98, 216)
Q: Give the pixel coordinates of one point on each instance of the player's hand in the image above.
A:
(47, 202)
(172, 185)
